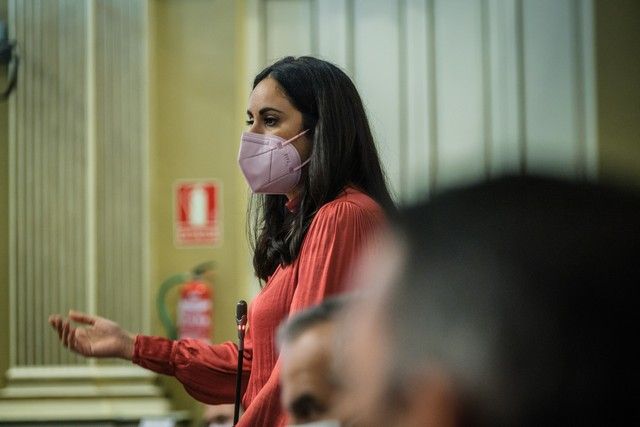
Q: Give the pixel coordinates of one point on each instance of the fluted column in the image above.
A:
(78, 204)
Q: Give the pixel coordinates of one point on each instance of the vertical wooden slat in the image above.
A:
(19, 194)
(79, 175)
(71, 195)
(587, 55)
(550, 91)
(90, 162)
(504, 86)
(332, 27)
(578, 87)
(522, 88)
(48, 189)
(420, 98)
(120, 163)
(119, 153)
(403, 96)
(487, 90)
(29, 244)
(13, 160)
(58, 214)
(38, 195)
(377, 74)
(288, 24)
(65, 53)
(101, 184)
(432, 79)
(459, 66)
(142, 94)
(313, 27)
(49, 172)
(134, 143)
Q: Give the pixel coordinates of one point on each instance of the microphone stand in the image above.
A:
(241, 322)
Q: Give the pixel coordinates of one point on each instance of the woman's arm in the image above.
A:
(99, 337)
(208, 372)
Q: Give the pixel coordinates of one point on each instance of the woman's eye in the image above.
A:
(249, 122)
(270, 121)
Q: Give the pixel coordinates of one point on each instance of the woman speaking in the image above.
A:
(319, 193)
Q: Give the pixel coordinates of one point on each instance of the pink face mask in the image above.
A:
(270, 163)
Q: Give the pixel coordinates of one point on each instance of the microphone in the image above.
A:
(241, 323)
(241, 318)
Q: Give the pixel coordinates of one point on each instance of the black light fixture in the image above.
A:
(9, 57)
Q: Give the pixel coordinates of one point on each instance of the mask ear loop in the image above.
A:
(295, 137)
(302, 164)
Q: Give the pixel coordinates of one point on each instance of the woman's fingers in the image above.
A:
(60, 330)
(72, 339)
(54, 321)
(68, 334)
(65, 332)
(80, 317)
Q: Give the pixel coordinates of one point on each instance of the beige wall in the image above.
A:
(618, 77)
(196, 56)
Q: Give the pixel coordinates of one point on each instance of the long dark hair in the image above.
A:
(343, 153)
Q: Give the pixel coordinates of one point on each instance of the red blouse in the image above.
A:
(335, 236)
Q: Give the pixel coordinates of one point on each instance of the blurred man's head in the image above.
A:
(507, 303)
(218, 415)
(309, 385)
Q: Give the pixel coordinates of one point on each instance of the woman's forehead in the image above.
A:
(268, 93)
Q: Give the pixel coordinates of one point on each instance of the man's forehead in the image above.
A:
(313, 341)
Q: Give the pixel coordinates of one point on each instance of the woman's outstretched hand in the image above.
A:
(99, 337)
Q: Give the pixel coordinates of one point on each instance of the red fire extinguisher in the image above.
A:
(194, 311)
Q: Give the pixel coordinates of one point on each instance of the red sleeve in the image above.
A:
(335, 237)
(207, 372)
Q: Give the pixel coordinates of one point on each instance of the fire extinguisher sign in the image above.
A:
(197, 213)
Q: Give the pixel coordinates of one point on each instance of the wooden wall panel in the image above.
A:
(552, 121)
(376, 72)
(48, 187)
(419, 75)
(503, 53)
(460, 79)
(291, 30)
(459, 90)
(120, 108)
(335, 35)
(78, 175)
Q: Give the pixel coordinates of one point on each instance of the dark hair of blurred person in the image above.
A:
(509, 303)
(309, 384)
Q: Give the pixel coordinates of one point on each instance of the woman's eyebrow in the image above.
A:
(267, 109)
(264, 110)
